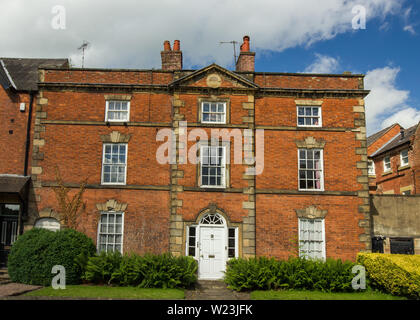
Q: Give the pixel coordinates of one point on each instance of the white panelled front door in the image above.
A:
(212, 252)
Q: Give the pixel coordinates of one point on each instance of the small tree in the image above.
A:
(70, 209)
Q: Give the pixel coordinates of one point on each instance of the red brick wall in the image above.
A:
(277, 225)
(391, 133)
(12, 131)
(281, 160)
(104, 76)
(146, 219)
(309, 81)
(398, 178)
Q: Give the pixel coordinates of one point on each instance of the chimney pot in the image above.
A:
(177, 46)
(166, 46)
(245, 45)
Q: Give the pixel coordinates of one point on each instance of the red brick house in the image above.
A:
(394, 164)
(310, 198)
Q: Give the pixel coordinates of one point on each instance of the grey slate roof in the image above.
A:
(397, 141)
(24, 72)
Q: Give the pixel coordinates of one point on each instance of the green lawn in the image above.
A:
(84, 291)
(318, 295)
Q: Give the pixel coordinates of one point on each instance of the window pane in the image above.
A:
(192, 231)
(231, 232)
(302, 154)
(301, 111)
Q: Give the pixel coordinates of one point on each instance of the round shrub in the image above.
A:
(34, 254)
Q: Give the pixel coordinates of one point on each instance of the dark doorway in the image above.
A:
(378, 244)
(9, 214)
(402, 245)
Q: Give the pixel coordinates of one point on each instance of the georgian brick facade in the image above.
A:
(162, 203)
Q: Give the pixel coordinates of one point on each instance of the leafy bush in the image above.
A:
(36, 251)
(397, 274)
(264, 273)
(99, 268)
(148, 271)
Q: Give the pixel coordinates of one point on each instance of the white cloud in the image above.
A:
(410, 29)
(323, 64)
(406, 117)
(386, 104)
(129, 33)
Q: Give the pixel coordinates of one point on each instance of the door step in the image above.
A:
(4, 277)
(210, 284)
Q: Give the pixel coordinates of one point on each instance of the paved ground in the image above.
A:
(214, 290)
(15, 289)
(8, 288)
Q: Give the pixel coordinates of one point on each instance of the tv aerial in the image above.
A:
(234, 49)
(83, 47)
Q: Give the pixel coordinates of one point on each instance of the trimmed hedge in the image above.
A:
(148, 271)
(264, 273)
(398, 274)
(35, 252)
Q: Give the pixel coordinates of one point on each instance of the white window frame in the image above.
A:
(213, 122)
(371, 168)
(117, 120)
(187, 242)
(385, 168)
(99, 231)
(103, 163)
(223, 173)
(401, 159)
(322, 170)
(324, 253)
(304, 116)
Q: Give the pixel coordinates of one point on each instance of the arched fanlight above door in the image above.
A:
(213, 219)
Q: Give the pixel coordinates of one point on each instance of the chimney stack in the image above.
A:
(171, 59)
(246, 59)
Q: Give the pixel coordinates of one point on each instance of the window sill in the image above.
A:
(386, 173)
(112, 184)
(116, 123)
(311, 190)
(300, 126)
(213, 187)
(407, 166)
(372, 175)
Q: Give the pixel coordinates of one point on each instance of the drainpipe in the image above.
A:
(28, 134)
(24, 211)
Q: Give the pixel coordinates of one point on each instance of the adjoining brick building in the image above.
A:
(18, 91)
(394, 160)
(105, 124)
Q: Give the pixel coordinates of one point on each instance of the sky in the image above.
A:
(378, 38)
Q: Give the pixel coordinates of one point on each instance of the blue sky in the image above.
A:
(287, 36)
